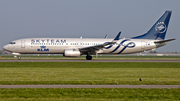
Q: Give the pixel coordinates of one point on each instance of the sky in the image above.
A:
(87, 18)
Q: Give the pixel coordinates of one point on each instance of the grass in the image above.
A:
(89, 73)
(104, 57)
(86, 94)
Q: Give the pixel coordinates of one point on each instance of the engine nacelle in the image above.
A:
(72, 53)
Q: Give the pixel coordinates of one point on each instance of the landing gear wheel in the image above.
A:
(19, 58)
(88, 57)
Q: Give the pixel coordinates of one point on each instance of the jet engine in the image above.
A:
(72, 53)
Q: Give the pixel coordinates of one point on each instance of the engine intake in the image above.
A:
(72, 53)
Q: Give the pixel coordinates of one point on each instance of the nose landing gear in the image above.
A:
(19, 58)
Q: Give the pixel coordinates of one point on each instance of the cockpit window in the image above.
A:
(12, 43)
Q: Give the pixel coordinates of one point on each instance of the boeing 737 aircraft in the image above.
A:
(74, 47)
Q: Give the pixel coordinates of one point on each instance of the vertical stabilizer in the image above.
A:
(159, 29)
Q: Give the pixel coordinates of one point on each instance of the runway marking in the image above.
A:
(89, 60)
(89, 86)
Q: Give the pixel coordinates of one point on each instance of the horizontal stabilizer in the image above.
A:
(164, 40)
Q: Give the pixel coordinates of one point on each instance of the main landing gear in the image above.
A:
(88, 57)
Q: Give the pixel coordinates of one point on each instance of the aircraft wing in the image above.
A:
(96, 47)
(92, 49)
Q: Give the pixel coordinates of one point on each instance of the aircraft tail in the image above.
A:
(159, 29)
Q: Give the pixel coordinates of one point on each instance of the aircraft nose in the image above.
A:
(5, 47)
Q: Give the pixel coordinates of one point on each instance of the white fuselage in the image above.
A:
(58, 45)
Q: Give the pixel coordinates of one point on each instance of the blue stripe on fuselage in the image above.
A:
(119, 45)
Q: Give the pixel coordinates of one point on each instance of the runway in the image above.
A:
(89, 60)
(90, 86)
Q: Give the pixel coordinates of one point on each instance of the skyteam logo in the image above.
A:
(160, 27)
(123, 44)
(129, 45)
(43, 49)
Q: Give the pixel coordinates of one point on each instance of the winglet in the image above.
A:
(117, 37)
(105, 37)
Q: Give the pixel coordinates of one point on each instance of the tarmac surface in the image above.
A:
(90, 86)
(89, 60)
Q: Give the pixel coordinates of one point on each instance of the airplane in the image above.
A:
(75, 47)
